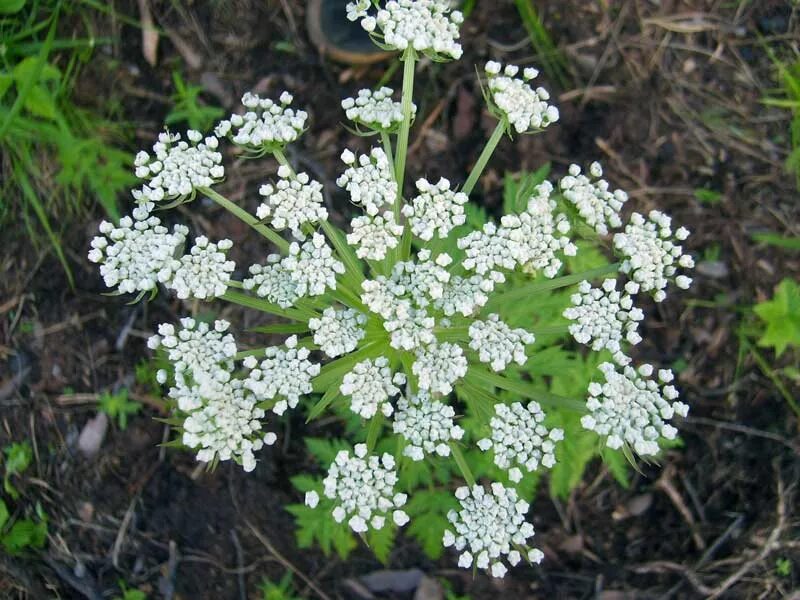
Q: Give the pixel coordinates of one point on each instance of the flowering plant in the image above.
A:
(419, 327)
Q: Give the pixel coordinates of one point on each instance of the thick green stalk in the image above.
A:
(488, 150)
(246, 217)
(409, 60)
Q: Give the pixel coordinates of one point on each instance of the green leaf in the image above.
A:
(9, 7)
(325, 450)
(775, 239)
(5, 82)
(26, 69)
(573, 457)
(516, 193)
(381, 542)
(617, 464)
(17, 459)
(707, 196)
(317, 525)
(4, 514)
(25, 534)
(782, 317)
(428, 511)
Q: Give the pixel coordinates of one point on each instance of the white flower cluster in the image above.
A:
(273, 282)
(374, 236)
(651, 255)
(596, 204)
(497, 344)
(285, 374)
(138, 253)
(427, 26)
(312, 266)
(363, 487)
(630, 409)
(338, 332)
(525, 108)
(370, 384)
(196, 349)
(435, 210)
(488, 527)
(519, 437)
(204, 272)
(292, 202)
(224, 420)
(438, 366)
(308, 270)
(401, 299)
(423, 280)
(465, 295)
(427, 425)
(369, 180)
(179, 167)
(604, 317)
(266, 125)
(375, 109)
(530, 239)
(410, 327)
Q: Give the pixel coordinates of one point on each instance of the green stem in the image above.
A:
(387, 147)
(458, 456)
(523, 291)
(374, 431)
(769, 372)
(480, 165)
(246, 217)
(281, 158)
(409, 59)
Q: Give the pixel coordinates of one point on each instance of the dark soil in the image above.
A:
(666, 94)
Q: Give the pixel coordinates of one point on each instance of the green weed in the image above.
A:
(117, 406)
(788, 97)
(60, 158)
(19, 533)
(188, 107)
(283, 590)
(553, 62)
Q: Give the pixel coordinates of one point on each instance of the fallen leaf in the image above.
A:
(92, 435)
(149, 33)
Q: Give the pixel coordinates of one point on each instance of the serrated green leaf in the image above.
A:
(381, 542)
(573, 457)
(317, 525)
(618, 465)
(325, 450)
(782, 317)
(304, 482)
(428, 511)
